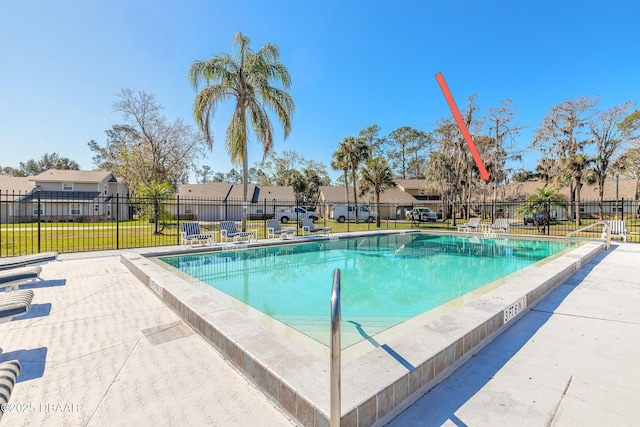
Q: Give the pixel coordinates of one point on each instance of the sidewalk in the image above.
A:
(571, 361)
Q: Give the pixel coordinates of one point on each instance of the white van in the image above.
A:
(342, 213)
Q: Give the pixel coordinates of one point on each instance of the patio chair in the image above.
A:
(472, 225)
(191, 233)
(616, 228)
(9, 372)
(228, 232)
(11, 279)
(500, 224)
(308, 227)
(26, 260)
(274, 230)
(14, 304)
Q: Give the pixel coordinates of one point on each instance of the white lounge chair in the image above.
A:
(191, 233)
(472, 225)
(500, 224)
(9, 372)
(228, 231)
(616, 228)
(275, 230)
(26, 260)
(14, 304)
(11, 279)
(308, 227)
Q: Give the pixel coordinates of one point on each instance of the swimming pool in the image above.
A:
(386, 279)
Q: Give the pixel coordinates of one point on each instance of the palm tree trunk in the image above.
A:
(245, 184)
(355, 192)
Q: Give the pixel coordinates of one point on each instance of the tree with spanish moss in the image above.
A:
(245, 77)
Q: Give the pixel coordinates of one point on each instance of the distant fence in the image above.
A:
(89, 221)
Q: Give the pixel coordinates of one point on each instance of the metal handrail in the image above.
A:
(605, 223)
(334, 373)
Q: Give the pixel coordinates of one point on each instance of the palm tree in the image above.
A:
(340, 162)
(245, 77)
(541, 201)
(576, 164)
(377, 174)
(156, 193)
(355, 151)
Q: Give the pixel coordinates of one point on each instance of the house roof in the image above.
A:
(13, 184)
(279, 193)
(420, 185)
(57, 175)
(336, 194)
(225, 191)
(626, 190)
(211, 190)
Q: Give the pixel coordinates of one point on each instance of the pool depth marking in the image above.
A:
(463, 128)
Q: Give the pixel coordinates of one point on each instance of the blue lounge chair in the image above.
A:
(26, 260)
(191, 233)
(9, 372)
(308, 227)
(472, 225)
(11, 279)
(228, 231)
(14, 304)
(275, 230)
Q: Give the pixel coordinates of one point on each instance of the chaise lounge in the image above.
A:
(500, 224)
(616, 228)
(228, 231)
(275, 230)
(12, 279)
(191, 233)
(14, 304)
(27, 260)
(308, 227)
(9, 372)
(472, 225)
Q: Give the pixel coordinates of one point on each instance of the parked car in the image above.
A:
(528, 219)
(297, 214)
(342, 213)
(422, 215)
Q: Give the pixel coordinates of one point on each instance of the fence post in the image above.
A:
(622, 207)
(39, 207)
(178, 218)
(117, 220)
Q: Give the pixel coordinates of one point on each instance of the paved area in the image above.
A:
(571, 361)
(99, 348)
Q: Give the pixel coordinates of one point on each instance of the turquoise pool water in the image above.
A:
(385, 279)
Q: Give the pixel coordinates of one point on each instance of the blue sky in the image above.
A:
(352, 63)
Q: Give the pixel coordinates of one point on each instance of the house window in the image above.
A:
(106, 187)
(188, 209)
(35, 209)
(96, 208)
(74, 209)
(67, 186)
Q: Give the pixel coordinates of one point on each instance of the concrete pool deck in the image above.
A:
(100, 342)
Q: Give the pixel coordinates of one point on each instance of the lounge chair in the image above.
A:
(25, 260)
(11, 279)
(472, 225)
(274, 230)
(308, 227)
(616, 228)
(14, 304)
(9, 372)
(500, 224)
(228, 232)
(191, 233)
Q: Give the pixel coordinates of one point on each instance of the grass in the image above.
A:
(78, 237)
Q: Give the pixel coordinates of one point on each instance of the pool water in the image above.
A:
(385, 279)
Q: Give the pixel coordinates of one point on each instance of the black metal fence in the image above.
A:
(88, 221)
